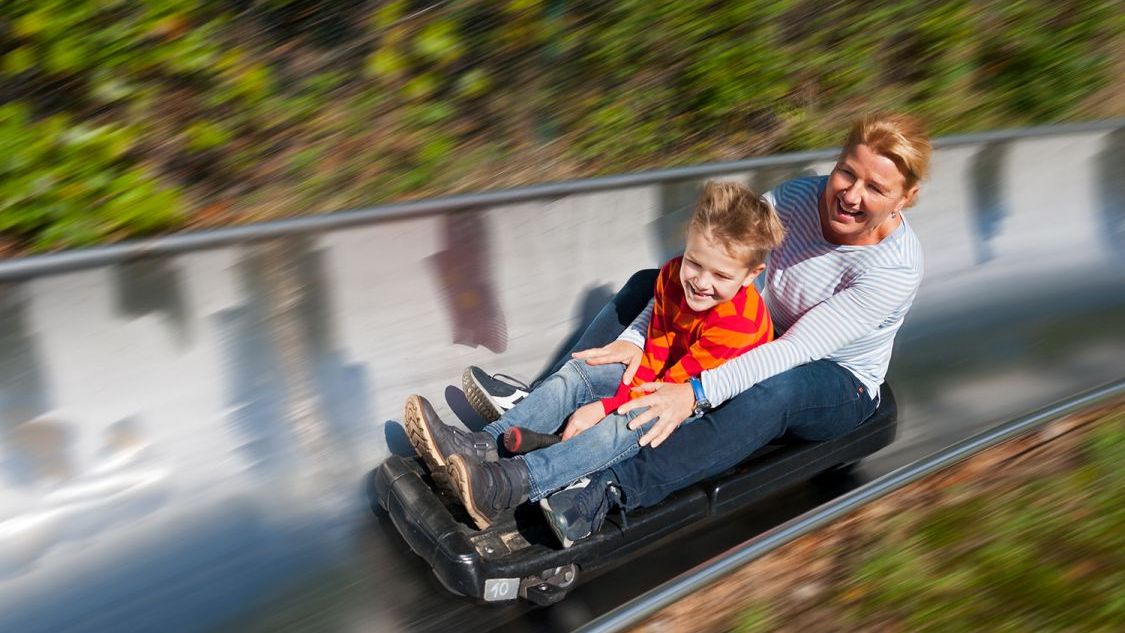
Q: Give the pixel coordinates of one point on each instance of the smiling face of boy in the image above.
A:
(710, 273)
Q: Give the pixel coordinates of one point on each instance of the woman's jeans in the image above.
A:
(815, 401)
(545, 410)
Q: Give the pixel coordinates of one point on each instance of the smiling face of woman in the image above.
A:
(864, 196)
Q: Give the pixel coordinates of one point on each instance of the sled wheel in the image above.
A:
(550, 585)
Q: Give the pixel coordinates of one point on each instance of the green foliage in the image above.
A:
(65, 185)
(234, 102)
(756, 619)
(73, 37)
(1046, 556)
(1045, 553)
(1040, 55)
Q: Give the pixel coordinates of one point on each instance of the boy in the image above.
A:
(705, 311)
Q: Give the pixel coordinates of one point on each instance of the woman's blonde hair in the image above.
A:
(738, 219)
(899, 137)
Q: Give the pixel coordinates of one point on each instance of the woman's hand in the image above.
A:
(586, 416)
(668, 403)
(622, 352)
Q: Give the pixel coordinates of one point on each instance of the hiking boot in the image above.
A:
(579, 510)
(435, 440)
(518, 440)
(487, 489)
(490, 396)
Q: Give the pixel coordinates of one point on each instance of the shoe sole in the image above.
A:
(546, 506)
(478, 397)
(459, 479)
(418, 432)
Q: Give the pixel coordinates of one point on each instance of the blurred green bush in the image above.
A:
(124, 117)
(1036, 545)
(65, 184)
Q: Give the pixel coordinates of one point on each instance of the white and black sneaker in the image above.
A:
(491, 395)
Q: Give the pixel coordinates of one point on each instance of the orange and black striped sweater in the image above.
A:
(681, 343)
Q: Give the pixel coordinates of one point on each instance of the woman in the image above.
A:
(839, 286)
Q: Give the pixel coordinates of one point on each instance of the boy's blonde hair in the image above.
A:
(899, 137)
(738, 219)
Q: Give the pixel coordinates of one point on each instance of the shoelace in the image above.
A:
(513, 381)
(615, 492)
(604, 497)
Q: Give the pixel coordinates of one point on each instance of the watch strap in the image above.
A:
(702, 404)
(697, 388)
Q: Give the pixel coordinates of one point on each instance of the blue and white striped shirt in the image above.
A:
(836, 302)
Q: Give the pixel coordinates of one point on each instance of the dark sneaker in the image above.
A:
(435, 440)
(490, 396)
(487, 489)
(518, 440)
(579, 510)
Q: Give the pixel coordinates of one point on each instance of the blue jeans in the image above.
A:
(545, 410)
(815, 401)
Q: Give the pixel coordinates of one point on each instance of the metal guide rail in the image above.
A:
(200, 240)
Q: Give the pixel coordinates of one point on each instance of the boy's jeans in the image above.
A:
(545, 410)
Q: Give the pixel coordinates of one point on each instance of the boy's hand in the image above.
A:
(622, 352)
(668, 403)
(586, 416)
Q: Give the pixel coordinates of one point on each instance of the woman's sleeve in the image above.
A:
(638, 329)
(842, 318)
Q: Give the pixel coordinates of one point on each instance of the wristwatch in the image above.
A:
(702, 404)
